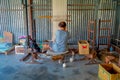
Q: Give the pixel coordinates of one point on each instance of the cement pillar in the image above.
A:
(59, 14)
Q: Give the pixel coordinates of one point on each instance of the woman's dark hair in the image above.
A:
(62, 24)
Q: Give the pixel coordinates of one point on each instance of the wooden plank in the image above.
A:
(91, 9)
(41, 9)
(39, 5)
(49, 17)
(81, 9)
(30, 17)
(105, 28)
(26, 57)
(91, 31)
(105, 20)
(10, 50)
(81, 5)
(68, 15)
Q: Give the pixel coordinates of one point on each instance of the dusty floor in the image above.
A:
(12, 69)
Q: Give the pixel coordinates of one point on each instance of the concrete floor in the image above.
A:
(12, 69)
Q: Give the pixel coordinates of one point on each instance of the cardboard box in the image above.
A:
(83, 47)
(19, 49)
(109, 72)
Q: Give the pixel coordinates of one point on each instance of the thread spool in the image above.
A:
(59, 61)
(71, 59)
(64, 65)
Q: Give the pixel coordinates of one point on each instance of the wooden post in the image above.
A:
(30, 17)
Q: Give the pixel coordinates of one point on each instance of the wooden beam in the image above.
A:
(81, 9)
(81, 5)
(39, 5)
(11, 9)
(49, 17)
(105, 28)
(105, 20)
(37, 9)
(91, 9)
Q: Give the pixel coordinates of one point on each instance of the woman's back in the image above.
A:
(60, 44)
